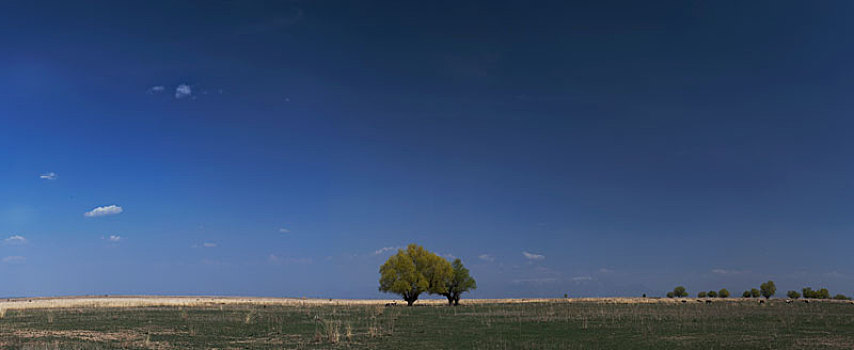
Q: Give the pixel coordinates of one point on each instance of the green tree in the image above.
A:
(793, 294)
(754, 293)
(680, 292)
(701, 295)
(414, 271)
(746, 294)
(712, 294)
(841, 297)
(808, 293)
(768, 289)
(823, 294)
(723, 293)
(460, 282)
(670, 294)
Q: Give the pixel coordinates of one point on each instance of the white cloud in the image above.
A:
(15, 259)
(183, 91)
(725, 272)
(103, 211)
(276, 259)
(48, 176)
(582, 278)
(532, 256)
(486, 257)
(284, 230)
(605, 270)
(15, 239)
(385, 249)
(114, 238)
(156, 89)
(535, 280)
(209, 245)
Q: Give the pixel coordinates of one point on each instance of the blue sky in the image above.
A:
(287, 148)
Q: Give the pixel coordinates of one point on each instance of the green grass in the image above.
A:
(484, 326)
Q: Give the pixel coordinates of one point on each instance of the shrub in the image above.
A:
(754, 293)
(841, 297)
(712, 294)
(793, 294)
(723, 293)
(701, 295)
(670, 294)
(680, 292)
(746, 294)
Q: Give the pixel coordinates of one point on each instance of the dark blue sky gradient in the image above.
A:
(634, 146)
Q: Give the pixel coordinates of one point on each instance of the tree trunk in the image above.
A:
(456, 300)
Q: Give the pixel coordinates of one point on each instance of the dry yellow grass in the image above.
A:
(189, 301)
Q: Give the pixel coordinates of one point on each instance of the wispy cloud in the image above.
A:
(15, 239)
(535, 280)
(532, 256)
(156, 89)
(582, 278)
(278, 259)
(385, 249)
(209, 245)
(605, 270)
(725, 272)
(15, 259)
(486, 257)
(48, 176)
(103, 211)
(284, 230)
(182, 91)
(114, 238)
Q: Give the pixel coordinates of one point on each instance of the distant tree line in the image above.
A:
(766, 290)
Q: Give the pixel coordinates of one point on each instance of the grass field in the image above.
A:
(540, 325)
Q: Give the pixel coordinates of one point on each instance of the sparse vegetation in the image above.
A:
(547, 325)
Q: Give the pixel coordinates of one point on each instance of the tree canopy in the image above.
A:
(767, 289)
(414, 271)
(459, 282)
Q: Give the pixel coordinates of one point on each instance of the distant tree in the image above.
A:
(754, 293)
(841, 297)
(701, 295)
(459, 282)
(565, 295)
(793, 294)
(768, 289)
(414, 271)
(680, 292)
(670, 295)
(712, 294)
(809, 293)
(723, 293)
(644, 295)
(746, 294)
(823, 294)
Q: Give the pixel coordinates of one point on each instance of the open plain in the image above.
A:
(139, 322)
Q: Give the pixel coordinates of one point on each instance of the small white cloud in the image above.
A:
(48, 176)
(582, 278)
(103, 211)
(284, 230)
(276, 259)
(486, 257)
(15, 259)
(15, 239)
(156, 89)
(532, 256)
(183, 91)
(208, 245)
(535, 280)
(725, 272)
(114, 238)
(605, 270)
(385, 249)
